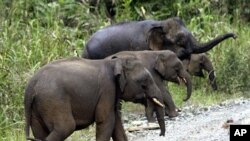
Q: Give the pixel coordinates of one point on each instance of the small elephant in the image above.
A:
(71, 94)
(170, 34)
(163, 65)
(198, 63)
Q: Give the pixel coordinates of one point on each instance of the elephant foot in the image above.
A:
(151, 120)
(178, 110)
(173, 113)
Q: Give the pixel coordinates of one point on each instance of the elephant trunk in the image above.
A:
(160, 119)
(201, 48)
(155, 96)
(185, 77)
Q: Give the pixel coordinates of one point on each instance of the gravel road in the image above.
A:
(199, 124)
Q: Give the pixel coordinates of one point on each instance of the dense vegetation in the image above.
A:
(35, 32)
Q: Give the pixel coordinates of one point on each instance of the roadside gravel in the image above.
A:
(198, 124)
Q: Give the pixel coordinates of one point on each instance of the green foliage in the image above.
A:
(125, 11)
(235, 75)
(35, 32)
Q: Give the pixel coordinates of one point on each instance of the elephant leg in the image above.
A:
(105, 117)
(170, 109)
(150, 111)
(60, 123)
(38, 128)
(62, 130)
(119, 132)
(105, 127)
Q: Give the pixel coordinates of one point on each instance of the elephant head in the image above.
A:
(172, 34)
(135, 82)
(195, 65)
(170, 68)
(198, 63)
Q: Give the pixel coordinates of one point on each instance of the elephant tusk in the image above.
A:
(179, 80)
(182, 79)
(158, 102)
(185, 81)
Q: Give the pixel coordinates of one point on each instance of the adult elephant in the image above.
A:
(199, 62)
(70, 94)
(170, 34)
(163, 65)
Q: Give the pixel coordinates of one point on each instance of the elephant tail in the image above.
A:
(28, 100)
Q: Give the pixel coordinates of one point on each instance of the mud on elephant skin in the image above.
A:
(71, 94)
(163, 65)
(170, 34)
(199, 62)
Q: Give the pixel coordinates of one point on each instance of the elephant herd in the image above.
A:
(129, 61)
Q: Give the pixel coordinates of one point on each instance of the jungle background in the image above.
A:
(35, 32)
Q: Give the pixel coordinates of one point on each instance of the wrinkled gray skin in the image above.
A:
(163, 65)
(198, 63)
(170, 34)
(71, 94)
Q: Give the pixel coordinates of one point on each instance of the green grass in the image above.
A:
(33, 33)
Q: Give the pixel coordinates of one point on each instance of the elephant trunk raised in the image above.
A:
(170, 34)
(204, 47)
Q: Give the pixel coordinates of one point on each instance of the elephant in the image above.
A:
(71, 94)
(170, 34)
(163, 65)
(198, 63)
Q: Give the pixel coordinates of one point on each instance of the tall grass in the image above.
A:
(26, 43)
(34, 32)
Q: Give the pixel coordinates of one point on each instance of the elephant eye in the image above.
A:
(178, 68)
(143, 87)
(142, 83)
(180, 39)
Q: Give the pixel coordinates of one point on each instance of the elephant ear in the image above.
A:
(185, 63)
(156, 38)
(159, 65)
(119, 74)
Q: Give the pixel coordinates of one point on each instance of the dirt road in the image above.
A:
(200, 124)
